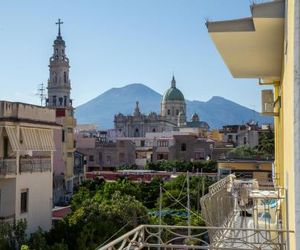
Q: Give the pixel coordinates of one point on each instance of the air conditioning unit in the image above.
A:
(267, 98)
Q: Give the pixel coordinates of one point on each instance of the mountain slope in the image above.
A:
(218, 111)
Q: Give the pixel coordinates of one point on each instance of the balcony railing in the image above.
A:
(35, 165)
(8, 166)
(7, 219)
(238, 215)
(183, 237)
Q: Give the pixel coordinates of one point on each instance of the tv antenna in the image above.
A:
(41, 93)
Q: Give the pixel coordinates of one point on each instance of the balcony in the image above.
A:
(35, 165)
(7, 219)
(238, 215)
(8, 167)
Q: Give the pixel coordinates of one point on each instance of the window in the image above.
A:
(177, 112)
(5, 146)
(169, 111)
(54, 100)
(245, 140)
(56, 51)
(136, 133)
(65, 77)
(183, 147)
(100, 157)
(91, 158)
(24, 201)
(143, 143)
(63, 136)
(65, 101)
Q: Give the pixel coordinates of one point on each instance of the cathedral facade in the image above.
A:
(171, 118)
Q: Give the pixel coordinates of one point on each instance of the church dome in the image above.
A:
(173, 94)
(195, 117)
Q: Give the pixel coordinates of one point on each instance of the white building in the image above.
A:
(26, 163)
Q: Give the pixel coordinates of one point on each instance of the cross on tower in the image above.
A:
(59, 23)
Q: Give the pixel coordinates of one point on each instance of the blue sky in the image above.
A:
(112, 43)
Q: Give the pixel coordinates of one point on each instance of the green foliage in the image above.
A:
(12, 236)
(243, 152)
(175, 188)
(101, 210)
(98, 218)
(183, 166)
(266, 143)
(128, 167)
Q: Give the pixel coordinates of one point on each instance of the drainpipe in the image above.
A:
(297, 119)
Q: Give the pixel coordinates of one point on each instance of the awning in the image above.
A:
(12, 137)
(37, 139)
(252, 47)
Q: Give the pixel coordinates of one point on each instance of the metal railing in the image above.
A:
(238, 215)
(35, 165)
(178, 237)
(8, 166)
(7, 219)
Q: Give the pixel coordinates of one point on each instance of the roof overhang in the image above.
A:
(252, 47)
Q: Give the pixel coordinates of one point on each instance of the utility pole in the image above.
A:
(198, 190)
(160, 210)
(188, 203)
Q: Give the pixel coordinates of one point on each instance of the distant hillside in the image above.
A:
(218, 111)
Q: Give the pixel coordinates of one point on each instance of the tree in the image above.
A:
(266, 143)
(12, 236)
(97, 220)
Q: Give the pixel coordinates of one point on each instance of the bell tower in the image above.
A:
(59, 85)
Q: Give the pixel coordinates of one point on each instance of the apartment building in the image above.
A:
(26, 163)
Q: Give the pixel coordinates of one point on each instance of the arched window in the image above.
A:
(136, 133)
(54, 77)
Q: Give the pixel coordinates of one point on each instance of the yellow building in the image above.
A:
(215, 135)
(266, 46)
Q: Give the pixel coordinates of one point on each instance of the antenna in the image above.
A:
(41, 92)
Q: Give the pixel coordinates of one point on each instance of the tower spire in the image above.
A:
(59, 23)
(173, 82)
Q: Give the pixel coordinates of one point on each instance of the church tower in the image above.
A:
(59, 89)
(59, 85)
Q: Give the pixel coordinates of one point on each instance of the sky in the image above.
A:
(112, 43)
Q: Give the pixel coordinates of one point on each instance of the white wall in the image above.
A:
(8, 197)
(39, 187)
